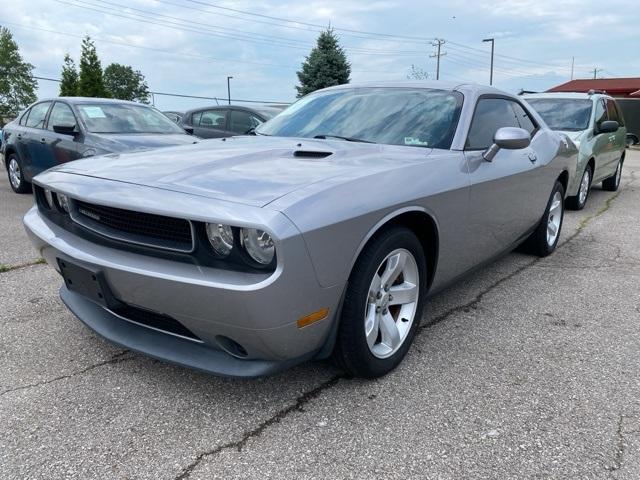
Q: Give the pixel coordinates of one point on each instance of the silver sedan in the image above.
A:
(322, 235)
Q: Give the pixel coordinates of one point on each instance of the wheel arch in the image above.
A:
(563, 178)
(418, 220)
(7, 153)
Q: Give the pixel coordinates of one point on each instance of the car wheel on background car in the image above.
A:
(544, 239)
(580, 200)
(612, 183)
(16, 175)
(383, 304)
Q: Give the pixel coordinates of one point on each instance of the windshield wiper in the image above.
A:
(348, 139)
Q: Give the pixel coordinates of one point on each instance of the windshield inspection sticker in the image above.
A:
(94, 112)
(415, 141)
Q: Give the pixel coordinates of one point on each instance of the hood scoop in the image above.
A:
(311, 154)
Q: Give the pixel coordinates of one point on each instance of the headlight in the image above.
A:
(48, 197)
(63, 201)
(220, 238)
(258, 244)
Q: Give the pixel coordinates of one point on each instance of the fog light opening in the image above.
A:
(232, 347)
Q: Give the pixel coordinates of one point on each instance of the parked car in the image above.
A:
(323, 234)
(225, 121)
(174, 116)
(595, 124)
(58, 130)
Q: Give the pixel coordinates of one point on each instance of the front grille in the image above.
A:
(154, 320)
(136, 227)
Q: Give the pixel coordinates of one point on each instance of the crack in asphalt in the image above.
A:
(117, 358)
(620, 445)
(298, 406)
(9, 268)
(315, 392)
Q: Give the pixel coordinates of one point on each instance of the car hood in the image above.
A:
(252, 170)
(124, 142)
(573, 135)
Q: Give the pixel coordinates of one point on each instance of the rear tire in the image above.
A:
(544, 239)
(580, 200)
(376, 329)
(16, 175)
(612, 183)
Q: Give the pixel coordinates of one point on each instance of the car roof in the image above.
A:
(565, 95)
(463, 87)
(81, 100)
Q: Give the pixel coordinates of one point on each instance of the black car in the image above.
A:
(59, 130)
(225, 121)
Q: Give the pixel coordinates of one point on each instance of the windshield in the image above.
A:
(125, 118)
(563, 113)
(394, 116)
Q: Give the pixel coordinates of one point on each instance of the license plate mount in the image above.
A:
(88, 282)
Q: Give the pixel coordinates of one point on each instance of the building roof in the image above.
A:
(621, 87)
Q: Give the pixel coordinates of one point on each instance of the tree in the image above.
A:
(90, 83)
(417, 73)
(69, 78)
(17, 85)
(325, 66)
(125, 83)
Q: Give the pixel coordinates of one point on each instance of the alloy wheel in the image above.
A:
(618, 173)
(584, 186)
(15, 174)
(555, 217)
(391, 303)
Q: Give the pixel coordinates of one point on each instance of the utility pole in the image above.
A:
(493, 42)
(438, 43)
(573, 59)
(595, 72)
(229, 89)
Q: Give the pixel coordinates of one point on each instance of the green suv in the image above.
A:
(594, 122)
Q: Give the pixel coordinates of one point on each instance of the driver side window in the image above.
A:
(601, 113)
(490, 115)
(61, 115)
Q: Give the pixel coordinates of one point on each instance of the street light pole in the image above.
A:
(229, 89)
(492, 40)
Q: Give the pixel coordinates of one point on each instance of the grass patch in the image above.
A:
(7, 268)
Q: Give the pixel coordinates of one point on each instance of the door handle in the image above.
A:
(43, 140)
(532, 157)
(19, 136)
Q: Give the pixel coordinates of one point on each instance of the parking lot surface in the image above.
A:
(527, 369)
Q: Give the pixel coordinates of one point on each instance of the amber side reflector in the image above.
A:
(313, 318)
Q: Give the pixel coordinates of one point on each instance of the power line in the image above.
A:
(182, 95)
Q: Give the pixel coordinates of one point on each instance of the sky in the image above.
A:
(189, 47)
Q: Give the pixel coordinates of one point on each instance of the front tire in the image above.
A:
(544, 239)
(383, 304)
(580, 200)
(612, 183)
(16, 175)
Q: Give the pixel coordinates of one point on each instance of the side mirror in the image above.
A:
(509, 138)
(608, 126)
(189, 130)
(65, 129)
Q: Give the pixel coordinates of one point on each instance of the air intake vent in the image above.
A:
(311, 154)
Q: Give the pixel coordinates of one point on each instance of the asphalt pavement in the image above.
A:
(527, 369)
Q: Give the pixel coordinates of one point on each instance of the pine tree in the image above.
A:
(325, 66)
(69, 78)
(90, 83)
(125, 83)
(17, 85)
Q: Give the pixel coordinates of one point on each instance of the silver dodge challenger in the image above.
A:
(322, 235)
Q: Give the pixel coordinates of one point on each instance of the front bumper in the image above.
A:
(258, 311)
